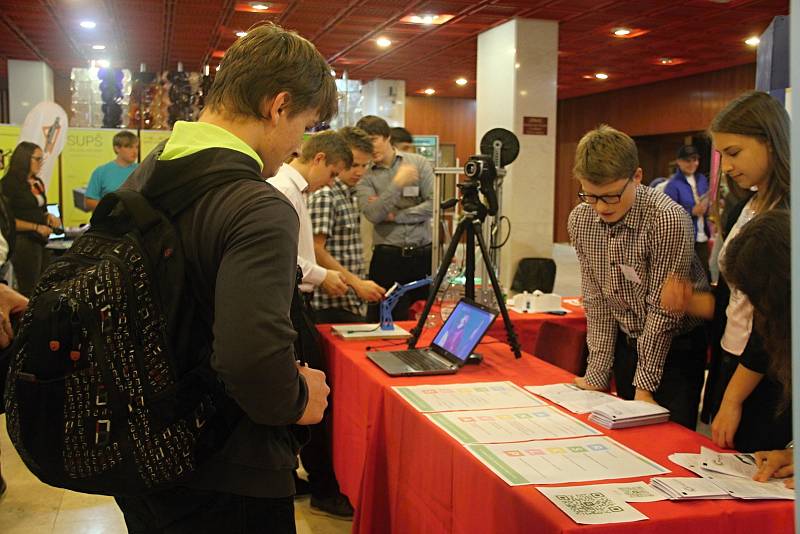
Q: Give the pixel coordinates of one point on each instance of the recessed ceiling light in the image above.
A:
(383, 42)
(429, 91)
(104, 63)
(622, 32)
(424, 19)
(601, 75)
(752, 41)
(665, 61)
(259, 6)
(98, 47)
(241, 34)
(461, 81)
(88, 24)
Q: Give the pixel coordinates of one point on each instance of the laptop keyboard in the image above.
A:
(419, 360)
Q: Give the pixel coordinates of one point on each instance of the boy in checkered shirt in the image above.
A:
(336, 226)
(628, 238)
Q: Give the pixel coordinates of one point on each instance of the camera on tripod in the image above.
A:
(481, 175)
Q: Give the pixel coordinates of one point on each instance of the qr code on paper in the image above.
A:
(593, 503)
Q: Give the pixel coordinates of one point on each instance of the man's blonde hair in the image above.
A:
(605, 155)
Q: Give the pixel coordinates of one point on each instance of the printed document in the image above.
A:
(511, 424)
(564, 460)
(571, 397)
(592, 505)
(470, 396)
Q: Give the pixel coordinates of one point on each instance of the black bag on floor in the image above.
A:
(109, 388)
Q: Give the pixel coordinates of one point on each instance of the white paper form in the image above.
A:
(745, 488)
(738, 465)
(626, 491)
(470, 396)
(679, 488)
(512, 424)
(588, 506)
(571, 397)
(565, 460)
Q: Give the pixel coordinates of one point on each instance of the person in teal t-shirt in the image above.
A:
(107, 178)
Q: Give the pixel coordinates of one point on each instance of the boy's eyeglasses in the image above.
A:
(607, 199)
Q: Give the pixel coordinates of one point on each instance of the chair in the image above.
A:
(533, 274)
(563, 345)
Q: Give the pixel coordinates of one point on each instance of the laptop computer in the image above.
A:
(451, 347)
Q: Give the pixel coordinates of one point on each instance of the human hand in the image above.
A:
(644, 395)
(11, 303)
(53, 221)
(368, 290)
(778, 464)
(334, 284)
(406, 175)
(700, 208)
(676, 293)
(725, 424)
(581, 382)
(43, 230)
(390, 217)
(318, 392)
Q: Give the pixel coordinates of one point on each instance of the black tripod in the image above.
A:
(474, 213)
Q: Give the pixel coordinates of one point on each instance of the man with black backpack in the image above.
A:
(240, 243)
(182, 395)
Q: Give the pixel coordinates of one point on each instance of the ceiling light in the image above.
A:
(752, 41)
(259, 6)
(241, 34)
(88, 24)
(98, 47)
(601, 75)
(429, 91)
(383, 42)
(665, 61)
(622, 32)
(424, 19)
(104, 63)
(461, 81)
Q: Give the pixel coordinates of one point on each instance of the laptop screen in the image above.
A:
(463, 330)
(52, 209)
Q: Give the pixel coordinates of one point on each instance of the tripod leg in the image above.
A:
(469, 281)
(512, 335)
(448, 257)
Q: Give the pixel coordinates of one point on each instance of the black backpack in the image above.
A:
(109, 388)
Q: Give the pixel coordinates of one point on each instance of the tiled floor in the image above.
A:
(30, 507)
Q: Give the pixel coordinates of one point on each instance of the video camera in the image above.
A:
(499, 147)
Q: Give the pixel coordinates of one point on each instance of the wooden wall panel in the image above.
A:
(679, 105)
(452, 119)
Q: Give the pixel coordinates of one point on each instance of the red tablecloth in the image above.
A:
(526, 325)
(405, 475)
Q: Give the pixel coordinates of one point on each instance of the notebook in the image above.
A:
(451, 347)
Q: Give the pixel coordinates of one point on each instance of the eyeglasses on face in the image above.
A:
(37, 158)
(607, 199)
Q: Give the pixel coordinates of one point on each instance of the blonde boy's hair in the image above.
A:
(605, 155)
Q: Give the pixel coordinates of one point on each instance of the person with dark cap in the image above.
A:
(402, 139)
(689, 188)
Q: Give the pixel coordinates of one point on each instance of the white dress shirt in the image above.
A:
(292, 184)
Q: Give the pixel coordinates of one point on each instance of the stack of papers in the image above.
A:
(732, 473)
(681, 488)
(571, 397)
(625, 414)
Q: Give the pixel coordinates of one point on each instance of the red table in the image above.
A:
(405, 475)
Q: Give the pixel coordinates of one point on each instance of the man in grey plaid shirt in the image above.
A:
(336, 226)
(629, 238)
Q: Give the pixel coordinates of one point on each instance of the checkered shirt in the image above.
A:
(655, 238)
(334, 213)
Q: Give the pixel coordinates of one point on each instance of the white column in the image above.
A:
(517, 77)
(29, 82)
(386, 99)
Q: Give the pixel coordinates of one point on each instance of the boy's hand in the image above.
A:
(581, 382)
